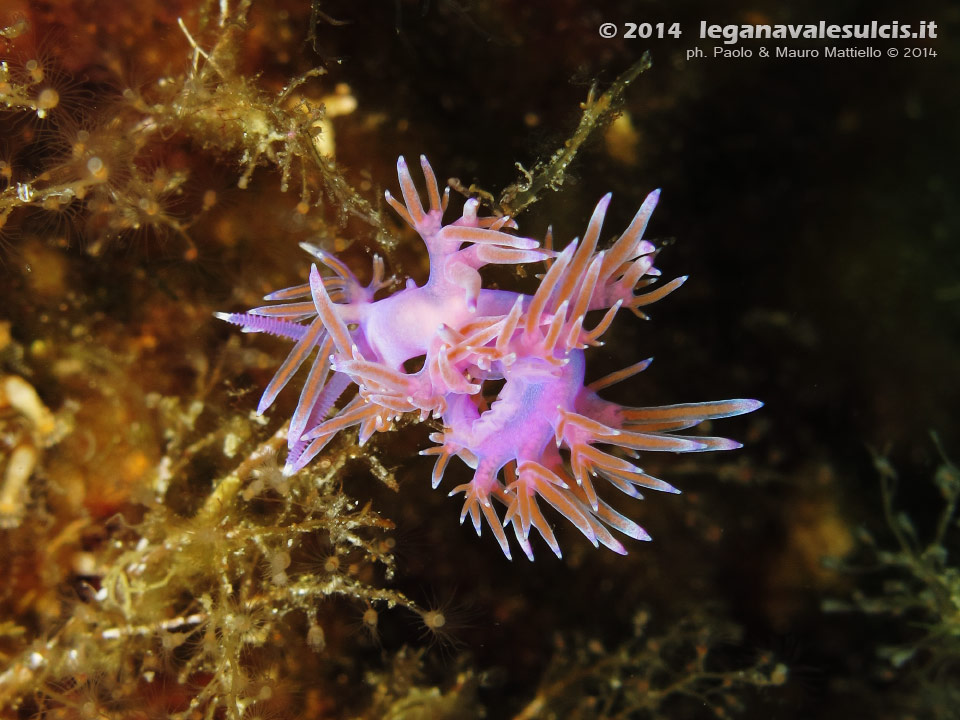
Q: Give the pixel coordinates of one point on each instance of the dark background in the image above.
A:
(812, 202)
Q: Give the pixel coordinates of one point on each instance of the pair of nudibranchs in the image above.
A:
(543, 435)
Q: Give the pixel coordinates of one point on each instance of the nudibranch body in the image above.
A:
(543, 435)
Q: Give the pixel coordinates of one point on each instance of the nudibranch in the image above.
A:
(544, 435)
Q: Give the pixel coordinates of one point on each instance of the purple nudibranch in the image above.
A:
(544, 435)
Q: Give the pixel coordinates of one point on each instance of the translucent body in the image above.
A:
(543, 435)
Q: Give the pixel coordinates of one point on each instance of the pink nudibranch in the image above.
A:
(544, 435)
